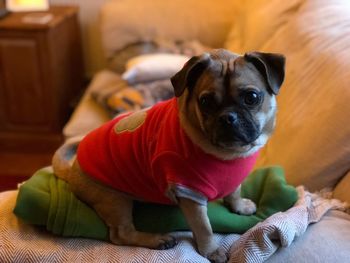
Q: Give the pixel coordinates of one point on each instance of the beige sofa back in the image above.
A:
(312, 137)
(130, 21)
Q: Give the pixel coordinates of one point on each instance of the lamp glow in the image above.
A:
(27, 5)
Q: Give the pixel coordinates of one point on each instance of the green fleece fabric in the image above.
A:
(45, 200)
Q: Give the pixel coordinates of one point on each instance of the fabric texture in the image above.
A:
(21, 242)
(145, 152)
(281, 229)
(326, 241)
(45, 200)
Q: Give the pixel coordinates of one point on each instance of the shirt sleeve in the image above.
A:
(182, 180)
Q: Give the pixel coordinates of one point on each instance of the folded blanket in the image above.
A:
(281, 229)
(118, 96)
(46, 200)
(22, 242)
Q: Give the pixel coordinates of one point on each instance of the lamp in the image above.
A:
(27, 5)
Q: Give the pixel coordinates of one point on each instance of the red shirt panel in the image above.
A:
(143, 153)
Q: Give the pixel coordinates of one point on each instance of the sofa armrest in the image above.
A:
(341, 191)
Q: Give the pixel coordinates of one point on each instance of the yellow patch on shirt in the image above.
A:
(131, 122)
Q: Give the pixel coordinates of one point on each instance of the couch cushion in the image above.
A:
(311, 140)
(258, 21)
(88, 114)
(129, 21)
(326, 241)
(342, 192)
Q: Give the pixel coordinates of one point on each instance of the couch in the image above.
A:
(312, 137)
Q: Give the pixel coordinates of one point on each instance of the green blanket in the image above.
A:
(45, 200)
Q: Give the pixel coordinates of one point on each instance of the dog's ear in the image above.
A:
(271, 66)
(189, 74)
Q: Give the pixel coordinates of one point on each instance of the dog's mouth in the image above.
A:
(232, 145)
(235, 141)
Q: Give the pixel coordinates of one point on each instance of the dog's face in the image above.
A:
(229, 99)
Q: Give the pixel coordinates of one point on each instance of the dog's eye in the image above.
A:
(251, 98)
(207, 102)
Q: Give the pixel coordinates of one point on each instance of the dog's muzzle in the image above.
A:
(233, 129)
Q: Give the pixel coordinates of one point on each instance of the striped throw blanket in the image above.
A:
(20, 242)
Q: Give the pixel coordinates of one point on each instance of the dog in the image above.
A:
(193, 148)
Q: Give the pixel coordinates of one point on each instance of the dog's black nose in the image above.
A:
(229, 119)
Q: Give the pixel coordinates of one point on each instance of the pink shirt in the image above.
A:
(146, 152)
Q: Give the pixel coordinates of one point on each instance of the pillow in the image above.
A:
(118, 60)
(146, 68)
(311, 139)
(258, 22)
(47, 201)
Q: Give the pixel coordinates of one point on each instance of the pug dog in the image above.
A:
(194, 148)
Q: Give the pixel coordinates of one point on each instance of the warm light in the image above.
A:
(27, 5)
(29, 2)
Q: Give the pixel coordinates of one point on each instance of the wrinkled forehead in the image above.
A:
(231, 70)
(223, 62)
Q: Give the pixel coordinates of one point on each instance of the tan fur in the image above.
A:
(196, 135)
(115, 208)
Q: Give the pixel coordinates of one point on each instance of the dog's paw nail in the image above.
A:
(167, 242)
(218, 256)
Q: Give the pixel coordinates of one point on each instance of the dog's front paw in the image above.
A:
(212, 251)
(243, 206)
(218, 256)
